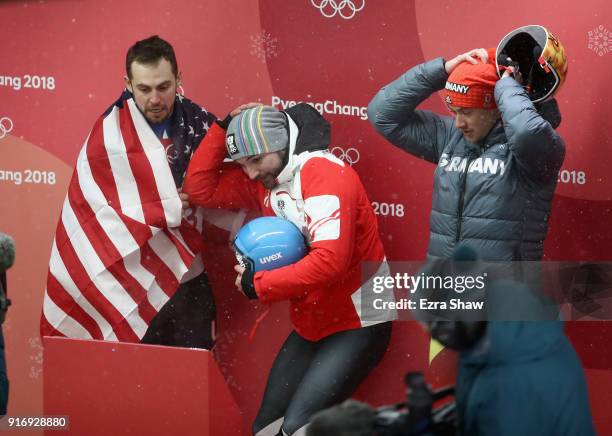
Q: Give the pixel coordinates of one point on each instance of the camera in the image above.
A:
(414, 417)
(417, 416)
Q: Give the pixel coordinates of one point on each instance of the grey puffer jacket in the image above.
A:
(496, 195)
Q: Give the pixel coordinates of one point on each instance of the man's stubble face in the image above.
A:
(154, 89)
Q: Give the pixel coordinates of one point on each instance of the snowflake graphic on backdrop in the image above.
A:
(36, 358)
(264, 46)
(599, 40)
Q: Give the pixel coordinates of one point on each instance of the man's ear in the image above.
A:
(128, 84)
(179, 81)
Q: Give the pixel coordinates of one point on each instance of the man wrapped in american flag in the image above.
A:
(125, 262)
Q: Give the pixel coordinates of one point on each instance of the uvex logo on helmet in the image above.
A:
(270, 258)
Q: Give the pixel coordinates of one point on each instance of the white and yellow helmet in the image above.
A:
(541, 60)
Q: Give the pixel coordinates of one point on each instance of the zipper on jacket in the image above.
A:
(461, 197)
(471, 156)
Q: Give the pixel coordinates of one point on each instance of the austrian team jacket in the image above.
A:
(324, 198)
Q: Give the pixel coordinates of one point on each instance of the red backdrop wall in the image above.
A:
(63, 64)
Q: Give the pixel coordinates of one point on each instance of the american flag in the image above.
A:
(122, 244)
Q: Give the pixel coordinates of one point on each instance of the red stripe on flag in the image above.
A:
(163, 275)
(66, 302)
(142, 170)
(186, 256)
(192, 237)
(100, 165)
(96, 235)
(103, 177)
(108, 253)
(47, 329)
(97, 299)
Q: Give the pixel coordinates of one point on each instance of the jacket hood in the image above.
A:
(314, 132)
(508, 341)
(308, 132)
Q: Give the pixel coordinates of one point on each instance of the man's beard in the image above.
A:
(269, 181)
(153, 117)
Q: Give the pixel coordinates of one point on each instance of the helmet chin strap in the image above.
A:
(537, 52)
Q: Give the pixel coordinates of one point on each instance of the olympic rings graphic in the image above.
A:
(350, 155)
(345, 8)
(6, 126)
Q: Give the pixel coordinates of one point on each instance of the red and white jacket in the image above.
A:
(326, 200)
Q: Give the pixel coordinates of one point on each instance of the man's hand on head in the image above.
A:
(244, 107)
(224, 123)
(473, 56)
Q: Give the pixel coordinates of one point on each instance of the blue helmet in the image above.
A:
(268, 243)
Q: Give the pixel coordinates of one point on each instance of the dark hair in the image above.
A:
(150, 51)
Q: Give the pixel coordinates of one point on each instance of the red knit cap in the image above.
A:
(472, 85)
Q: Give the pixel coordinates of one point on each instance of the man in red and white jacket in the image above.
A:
(285, 169)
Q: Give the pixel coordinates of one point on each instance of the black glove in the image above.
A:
(224, 123)
(248, 287)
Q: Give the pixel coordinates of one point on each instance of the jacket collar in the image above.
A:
(497, 135)
(308, 132)
(287, 173)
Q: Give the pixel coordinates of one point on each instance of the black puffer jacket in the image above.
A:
(496, 196)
